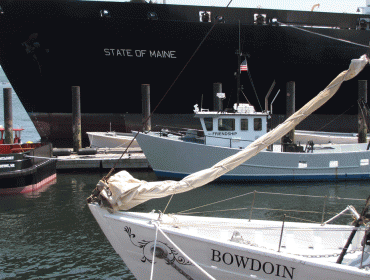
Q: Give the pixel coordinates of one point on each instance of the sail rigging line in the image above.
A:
(245, 96)
(184, 254)
(106, 177)
(186, 212)
(168, 203)
(254, 89)
(217, 20)
(326, 36)
(335, 118)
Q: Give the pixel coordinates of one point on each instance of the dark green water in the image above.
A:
(52, 235)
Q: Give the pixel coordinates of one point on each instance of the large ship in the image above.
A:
(110, 49)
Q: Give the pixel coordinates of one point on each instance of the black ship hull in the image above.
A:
(110, 49)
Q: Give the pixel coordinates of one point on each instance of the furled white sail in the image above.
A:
(123, 191)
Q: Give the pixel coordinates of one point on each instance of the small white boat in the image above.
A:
(165, 246)
(323, 137)
(111, 140)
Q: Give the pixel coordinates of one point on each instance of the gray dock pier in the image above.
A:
(104, 159)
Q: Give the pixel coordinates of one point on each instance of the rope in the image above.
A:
(214, 211)
(182, 252)
(255, 227)
(300, 219)
(283, 194)
(335, 118)
(245, 96)
(218, 18)
(256, 208)
(254, 89)
(214, 203)
(153, 258)
(168, 203)
(326, 36)
(105, 178)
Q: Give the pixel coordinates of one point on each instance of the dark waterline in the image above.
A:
(52, 235)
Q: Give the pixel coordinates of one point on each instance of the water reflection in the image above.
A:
(52, 234)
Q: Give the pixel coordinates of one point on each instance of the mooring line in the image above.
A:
(326, 36)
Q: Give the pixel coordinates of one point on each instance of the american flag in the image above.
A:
(244, 66)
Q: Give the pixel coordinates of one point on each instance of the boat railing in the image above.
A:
(279, 233)
(323, 213)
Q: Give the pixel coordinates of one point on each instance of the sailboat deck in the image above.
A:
(309, 240)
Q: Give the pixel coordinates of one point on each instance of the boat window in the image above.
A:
(205, 16)
(104, 13)
(244, 124)
(208, 122)
(257, 124)
(226, 124)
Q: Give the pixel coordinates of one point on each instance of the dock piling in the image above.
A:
(217, 102)
(76, 118)
(362, 94)
(145, 99)
(8, 116)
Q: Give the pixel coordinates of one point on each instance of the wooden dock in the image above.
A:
(104, 159)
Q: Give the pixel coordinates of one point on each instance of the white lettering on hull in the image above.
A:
(140, 53)
(10, 165)
(7, 158)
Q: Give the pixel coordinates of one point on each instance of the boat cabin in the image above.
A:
(236, 129)
(16, 137)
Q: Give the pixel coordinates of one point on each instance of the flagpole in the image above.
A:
(238, 71)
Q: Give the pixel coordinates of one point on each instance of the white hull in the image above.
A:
(307, 253)
(111, 140)
(174, 158)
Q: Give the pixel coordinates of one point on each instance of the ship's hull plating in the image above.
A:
(48, 46)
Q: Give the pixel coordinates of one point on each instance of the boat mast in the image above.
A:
(238, 71)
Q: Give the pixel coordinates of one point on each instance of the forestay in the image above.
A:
(123, 191)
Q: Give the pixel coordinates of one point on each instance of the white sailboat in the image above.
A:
(162, 246)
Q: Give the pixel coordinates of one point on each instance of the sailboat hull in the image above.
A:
(208, 242)
(174, 158)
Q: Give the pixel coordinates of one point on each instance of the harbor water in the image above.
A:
(51, 234)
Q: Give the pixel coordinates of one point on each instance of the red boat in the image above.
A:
(25, 167)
